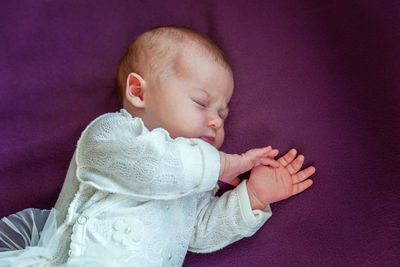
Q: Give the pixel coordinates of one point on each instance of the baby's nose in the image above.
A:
(215, 123)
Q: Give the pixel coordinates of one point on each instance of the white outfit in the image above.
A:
(134, 197)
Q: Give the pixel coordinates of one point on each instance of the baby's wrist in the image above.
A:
(232, 165)
(255, 203)
(222, 160)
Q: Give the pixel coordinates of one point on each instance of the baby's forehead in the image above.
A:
(166, 55)
(169, 59)
(183, 58)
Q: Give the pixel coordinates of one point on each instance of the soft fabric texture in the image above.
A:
(143, 197)
(38, 230)
(22, 229)
(319, 76)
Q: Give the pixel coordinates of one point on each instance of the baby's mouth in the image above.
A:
(208, 139)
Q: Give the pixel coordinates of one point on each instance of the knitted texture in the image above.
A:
(134, 196)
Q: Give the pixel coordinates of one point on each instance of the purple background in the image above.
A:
(320, 76)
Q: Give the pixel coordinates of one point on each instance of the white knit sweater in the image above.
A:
(141, 198)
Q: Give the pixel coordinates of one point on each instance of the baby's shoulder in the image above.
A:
(113, 125)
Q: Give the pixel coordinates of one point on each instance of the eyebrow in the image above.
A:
(201, 89)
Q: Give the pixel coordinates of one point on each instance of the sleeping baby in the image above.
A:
(140, 189)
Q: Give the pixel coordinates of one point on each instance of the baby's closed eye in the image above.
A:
(201, 102)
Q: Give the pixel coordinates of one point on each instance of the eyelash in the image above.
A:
(200, 103)
(203, 105)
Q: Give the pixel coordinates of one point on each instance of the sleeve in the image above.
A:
(224, 220)
(120, 155)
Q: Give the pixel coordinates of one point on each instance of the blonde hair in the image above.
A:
(154, 52)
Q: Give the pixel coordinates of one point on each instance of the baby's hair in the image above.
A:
(153, 52)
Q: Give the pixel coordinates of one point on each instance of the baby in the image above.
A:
(140, 189)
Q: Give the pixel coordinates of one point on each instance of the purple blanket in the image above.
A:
(319, 76)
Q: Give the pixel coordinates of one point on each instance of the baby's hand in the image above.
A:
(233, 165)
(267, 185)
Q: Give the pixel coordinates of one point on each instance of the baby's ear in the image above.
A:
(135, 86)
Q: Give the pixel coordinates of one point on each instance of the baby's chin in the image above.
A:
(215, 143)
(218, 146)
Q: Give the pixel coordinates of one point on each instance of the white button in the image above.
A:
(166, 255)
(126, 231)
(166, 207)
(192, 142)
(82, 219)
(70, 252)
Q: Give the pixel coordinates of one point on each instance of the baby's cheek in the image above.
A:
(220, 138)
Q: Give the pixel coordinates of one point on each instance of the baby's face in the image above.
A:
(194, 103)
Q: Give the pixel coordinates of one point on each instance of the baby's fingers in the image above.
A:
(296, 164)
(304, 174)
(288, 157)
(257, 152)
(270, 162)
(273, 153)
(300, 187)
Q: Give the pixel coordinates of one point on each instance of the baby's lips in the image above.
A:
(208, 139)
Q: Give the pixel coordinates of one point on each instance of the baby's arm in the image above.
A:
(118, 154)
(226, 219)
(242, 211)
(267, 185)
